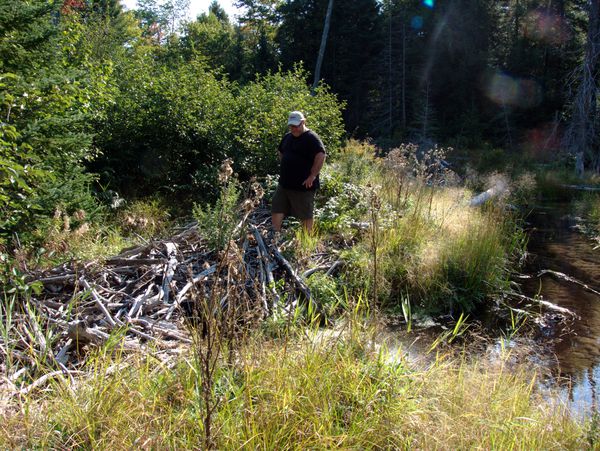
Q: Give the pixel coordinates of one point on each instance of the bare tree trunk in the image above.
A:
(582, 134)
(403, 75)
(390, 78)
(322, 47)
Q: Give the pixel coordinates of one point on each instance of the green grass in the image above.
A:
(429, 243)
(587, 206)
(327, 389)
(339, 390)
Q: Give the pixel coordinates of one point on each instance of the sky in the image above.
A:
(197, 7)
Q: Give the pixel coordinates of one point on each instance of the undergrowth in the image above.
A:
(344, 390)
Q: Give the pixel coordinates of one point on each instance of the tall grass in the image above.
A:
(430, 244)
(587, 206)
(343, 391)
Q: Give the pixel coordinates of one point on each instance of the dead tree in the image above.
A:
(322, 47)
(582, 134)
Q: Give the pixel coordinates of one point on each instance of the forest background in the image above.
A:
(100, 105)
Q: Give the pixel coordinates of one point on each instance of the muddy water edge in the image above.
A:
(572, 349)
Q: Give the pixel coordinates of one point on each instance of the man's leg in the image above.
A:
(280, 205)
(307, 225)
(277, 220)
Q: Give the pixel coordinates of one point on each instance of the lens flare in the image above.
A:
(504, 89)
(429, 3)
(543, 141)
(542, 26)
(416, 22)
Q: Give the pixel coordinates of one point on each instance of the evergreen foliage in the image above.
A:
(50, 92)
(152, 104)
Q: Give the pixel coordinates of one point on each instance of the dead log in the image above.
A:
(499, 188)
(171, 251)
(546, 304)
(292, 273)
(582, 187)
(263, 255)
(564, 277)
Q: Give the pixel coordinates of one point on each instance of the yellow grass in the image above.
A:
(340, 392)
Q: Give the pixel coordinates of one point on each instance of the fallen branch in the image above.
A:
(99, 302)
(496, 190)
(562, 276)
(263, 255)
(546, 304)
(42, 380)
(288, 267)
(582, 187)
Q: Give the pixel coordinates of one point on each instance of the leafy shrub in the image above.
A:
(172, 126)
(147, 218)
(217, 222)
(326, 292)
(339, 203)
(356, 163)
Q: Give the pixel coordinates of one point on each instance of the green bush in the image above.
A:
(216, 223)
(326, 293)
(173, 126)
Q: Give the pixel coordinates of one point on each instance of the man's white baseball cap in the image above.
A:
(295, 118)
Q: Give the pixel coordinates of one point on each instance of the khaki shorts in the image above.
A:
(299, 204)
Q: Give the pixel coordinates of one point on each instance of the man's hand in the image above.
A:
(308, 183)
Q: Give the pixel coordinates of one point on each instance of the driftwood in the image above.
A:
(141, 295)
(562, 276)
(499, 188)
(582, 187)
(546, 304)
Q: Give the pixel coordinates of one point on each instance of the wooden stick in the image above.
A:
(42, 380)
(169, 270)
(139, 301)
(116, 261)
(337, 264)
(547, 304)
(562, 276)
(262, 276)
(56, 279)
(311, 271)
(186, 288)
(264, 257)
(98, 299)
(299, 282)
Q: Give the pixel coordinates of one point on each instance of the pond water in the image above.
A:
(574, 348)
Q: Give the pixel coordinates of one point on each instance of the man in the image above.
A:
(301, 156)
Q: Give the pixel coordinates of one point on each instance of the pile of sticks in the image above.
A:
(147, 293)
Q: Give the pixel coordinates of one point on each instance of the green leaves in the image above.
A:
(172, 125)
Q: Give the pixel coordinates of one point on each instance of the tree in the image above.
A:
(161, 18)
(584, 128)
(398, 67)
(213, 38)
(323, 45)
(50, 92)
(354, 40)
(258, 26)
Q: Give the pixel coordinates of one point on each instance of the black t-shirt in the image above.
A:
(297, 157)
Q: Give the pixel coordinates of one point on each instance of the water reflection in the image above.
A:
(555, 245)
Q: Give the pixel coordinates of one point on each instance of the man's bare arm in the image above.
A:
(316, 168)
